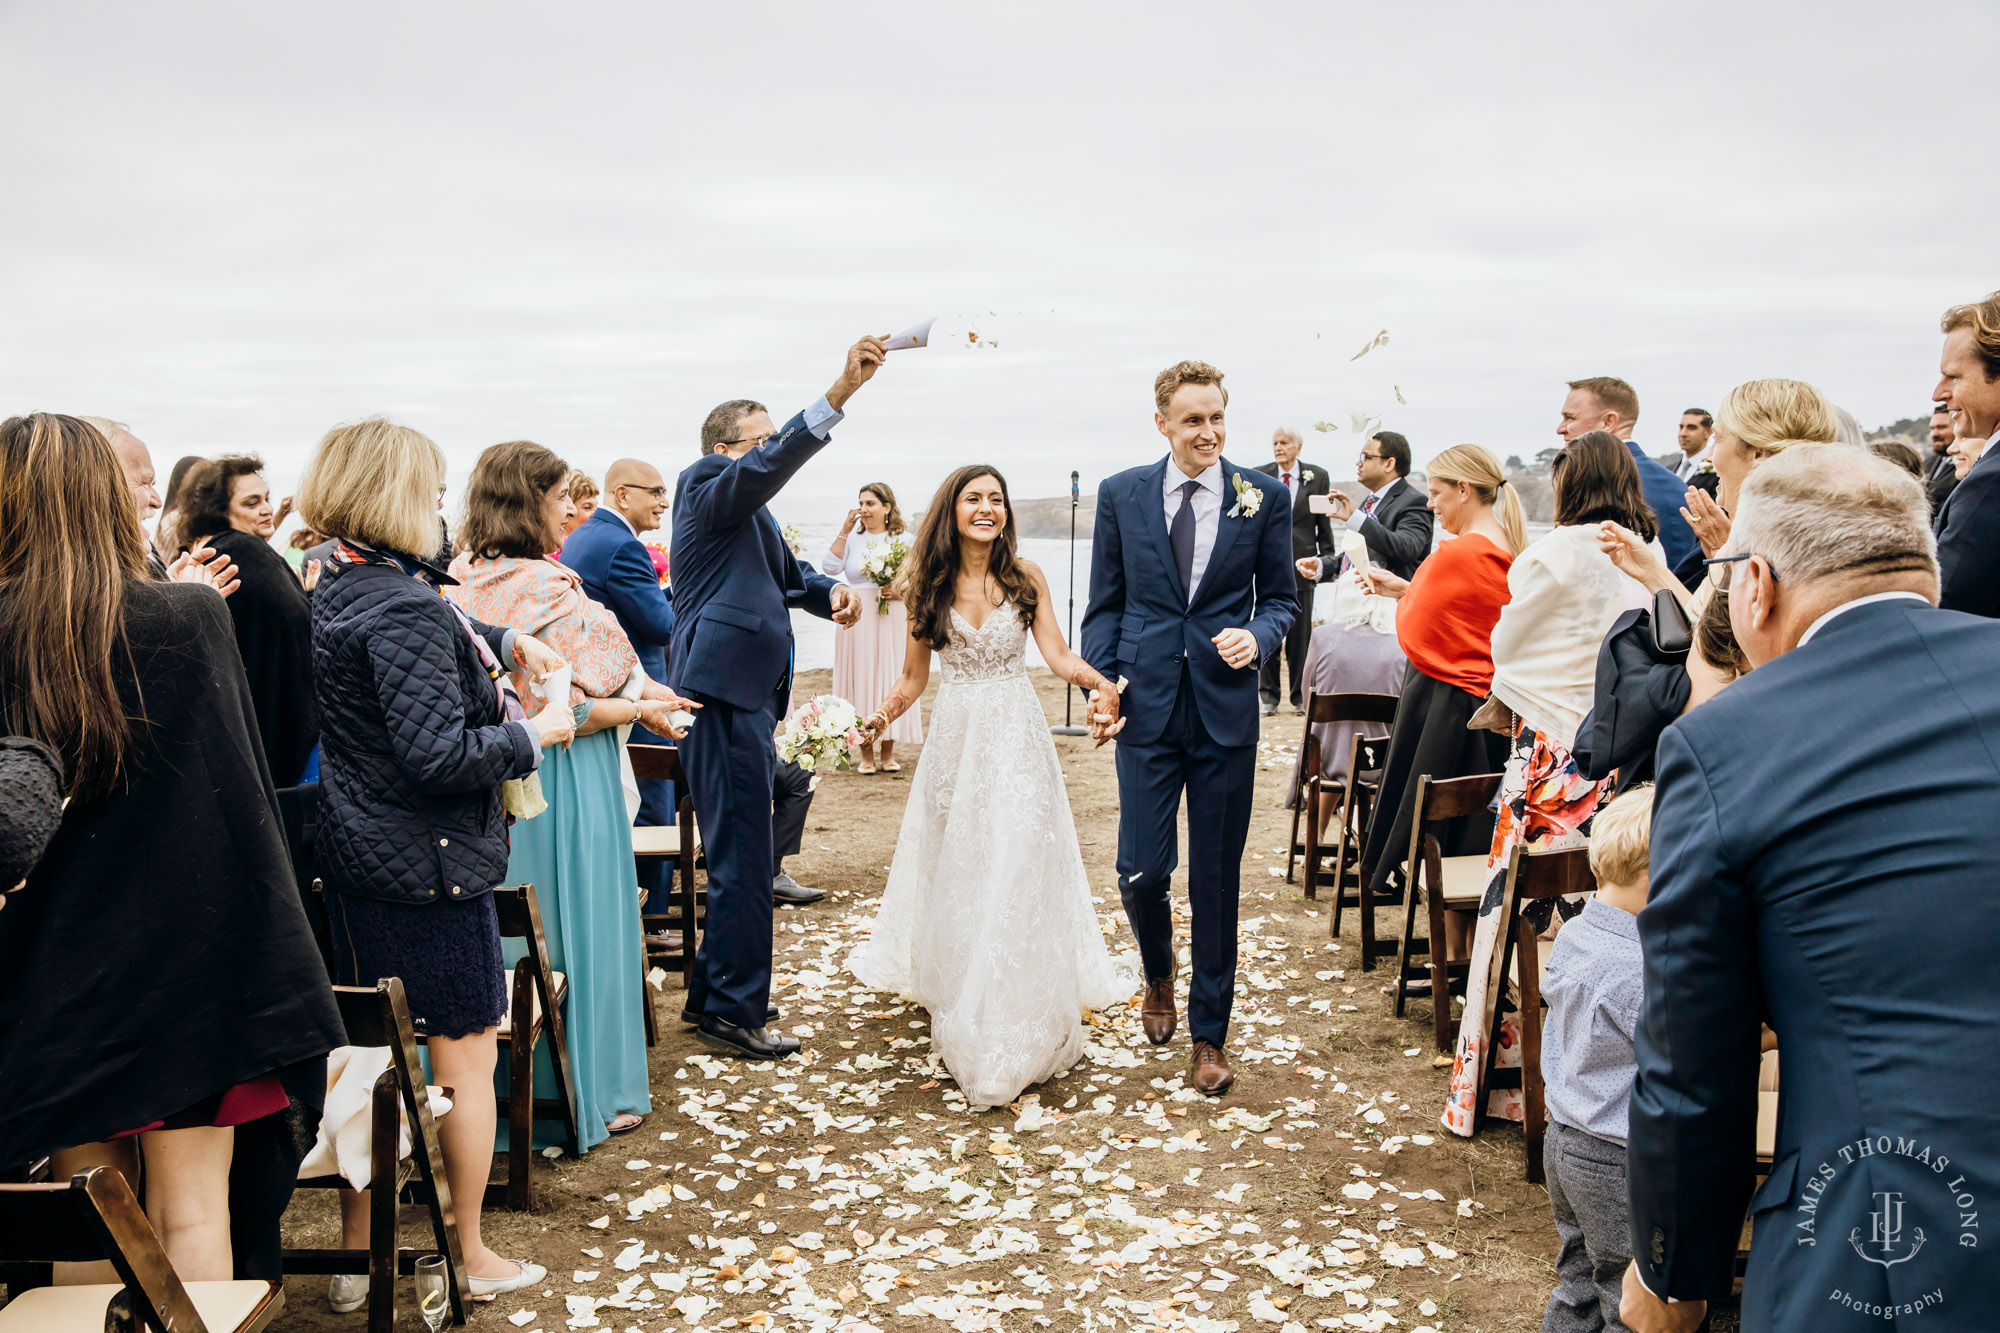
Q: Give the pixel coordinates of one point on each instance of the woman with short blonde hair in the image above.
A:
(376, 483)
(583, 494)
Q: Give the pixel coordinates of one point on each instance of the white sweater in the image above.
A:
(1563, 595)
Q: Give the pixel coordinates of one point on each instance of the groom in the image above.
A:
(1191, 584)
(735, 582)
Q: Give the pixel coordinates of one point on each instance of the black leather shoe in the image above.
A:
(748, 1043)
(790, 893)
(692, 1017)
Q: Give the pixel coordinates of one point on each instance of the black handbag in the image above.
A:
(1639, 692)
(1672, 634)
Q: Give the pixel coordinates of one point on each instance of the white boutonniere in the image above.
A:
(1707, 466)
(1248, 498)
(1305, 474)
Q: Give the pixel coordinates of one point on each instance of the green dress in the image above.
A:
(578, 855)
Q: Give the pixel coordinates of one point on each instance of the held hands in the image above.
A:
(1237, 646)
(1643, 1312)
(1709, 520)
(846, 606)
(1103, 715)
(863, 360)
(1309, 568)
(202, 564)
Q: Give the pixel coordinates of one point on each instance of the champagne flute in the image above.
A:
(433, 1301)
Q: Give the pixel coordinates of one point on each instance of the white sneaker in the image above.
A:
(486, 1288)
(347, 1292)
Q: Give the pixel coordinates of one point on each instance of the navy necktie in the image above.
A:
(1181, 536)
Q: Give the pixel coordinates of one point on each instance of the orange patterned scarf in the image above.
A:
(545, 599)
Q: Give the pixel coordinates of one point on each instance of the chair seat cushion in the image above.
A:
(1767, 1125)
(557, 981)
(223, 1306)
(1464, 882)
(652, 841)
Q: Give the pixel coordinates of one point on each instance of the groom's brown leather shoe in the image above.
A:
(1156, 1011)
(1209, 1070)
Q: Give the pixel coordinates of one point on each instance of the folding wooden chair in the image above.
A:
(1447, 884)
(380, 1016)
(1325, 710)
(534, 1011)
(687, 914)
(1520, 952)
(94, 1217)
(1358, 805)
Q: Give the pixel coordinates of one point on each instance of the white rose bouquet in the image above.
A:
(884, 563)
(821, 729)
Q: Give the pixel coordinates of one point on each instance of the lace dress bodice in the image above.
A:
(997, 650)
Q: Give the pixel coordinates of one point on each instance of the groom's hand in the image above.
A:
(1237, 646)
(846, 606)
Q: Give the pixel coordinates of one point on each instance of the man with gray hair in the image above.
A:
(1312, 536)
(197, 566)
(1824, 850)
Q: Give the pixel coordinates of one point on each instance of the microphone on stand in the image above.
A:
(1068, 728)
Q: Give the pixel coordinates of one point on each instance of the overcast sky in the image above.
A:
(585, 224)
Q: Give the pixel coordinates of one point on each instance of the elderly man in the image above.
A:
(1968, 523)
(1312, 535)
(200, 566)
(1605, 402)
(1824, 853)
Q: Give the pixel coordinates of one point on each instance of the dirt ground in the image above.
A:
(854, 1187)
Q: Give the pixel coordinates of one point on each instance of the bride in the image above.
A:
(987, 918)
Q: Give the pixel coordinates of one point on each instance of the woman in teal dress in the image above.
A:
(578, 852)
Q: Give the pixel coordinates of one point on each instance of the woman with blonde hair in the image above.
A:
(868, 655)
(1444, 623)
(420, 726)
(583, 496)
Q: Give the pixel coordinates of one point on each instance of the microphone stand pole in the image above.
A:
(1068, 728)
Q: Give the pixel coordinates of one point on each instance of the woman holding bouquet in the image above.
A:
(578, 852)
(868, 655)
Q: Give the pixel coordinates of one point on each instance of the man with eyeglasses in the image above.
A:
(736, 583)
(1394, 518)
(1823, 850)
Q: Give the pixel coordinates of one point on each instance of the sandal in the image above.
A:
(865, 770)
(637, 1120)
(892, 767)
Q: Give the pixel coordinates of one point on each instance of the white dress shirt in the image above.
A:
(847, 566)
(1207, 514)
(1691, 464)
(1869, 600)
(1357, 520)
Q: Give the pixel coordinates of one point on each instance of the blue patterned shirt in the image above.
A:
(1595, 985)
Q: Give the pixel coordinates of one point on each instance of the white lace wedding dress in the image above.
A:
(987, 919)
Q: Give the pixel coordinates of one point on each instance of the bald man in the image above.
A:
(203, 566)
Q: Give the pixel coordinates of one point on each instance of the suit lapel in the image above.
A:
(1153, 518)
(1227, 531)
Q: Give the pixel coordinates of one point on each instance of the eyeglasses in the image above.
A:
(1377, 457)
(657, 492)
(758, 442)
(1721, 575)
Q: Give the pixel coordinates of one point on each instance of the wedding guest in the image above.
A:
(583, 496)
(733, 652)
(1595, 983)
(1940, 474)
(1312, 535)
(1354, 652)
(158, 980)
(868, 655)
(1394, 520)
(1968, 524)
(616, 566)
(420, 727)
(1445, 627)
(1902, 455)
(165, 536)
(1563, 595)
(1964, 452)
(1610, 404)
(577, 853)
(226, 505)
(1800, 817)
(201, 566)
(1696, 430)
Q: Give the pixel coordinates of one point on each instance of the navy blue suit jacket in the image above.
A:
(1968, 533)
(735, 580)
(1141, 624)
(616, 571)
(1666, 493)
(1826, 858)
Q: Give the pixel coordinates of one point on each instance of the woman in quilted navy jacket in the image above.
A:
(418, 732)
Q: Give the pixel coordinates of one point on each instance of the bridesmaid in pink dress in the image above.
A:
(868, 655)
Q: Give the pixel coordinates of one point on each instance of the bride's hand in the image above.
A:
(1103, 716)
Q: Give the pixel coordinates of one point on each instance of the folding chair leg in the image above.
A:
(1440, 967)
(646, 991)
(520, 1117)
(1403, 949)
(1309, 806)
(684, 885)
(556, 1033)
(1534, 1109)
(383, 1241)
(1292, 846)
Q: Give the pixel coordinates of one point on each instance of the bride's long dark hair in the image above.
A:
(931, 580)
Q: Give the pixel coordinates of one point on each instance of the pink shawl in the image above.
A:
(545, 599)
